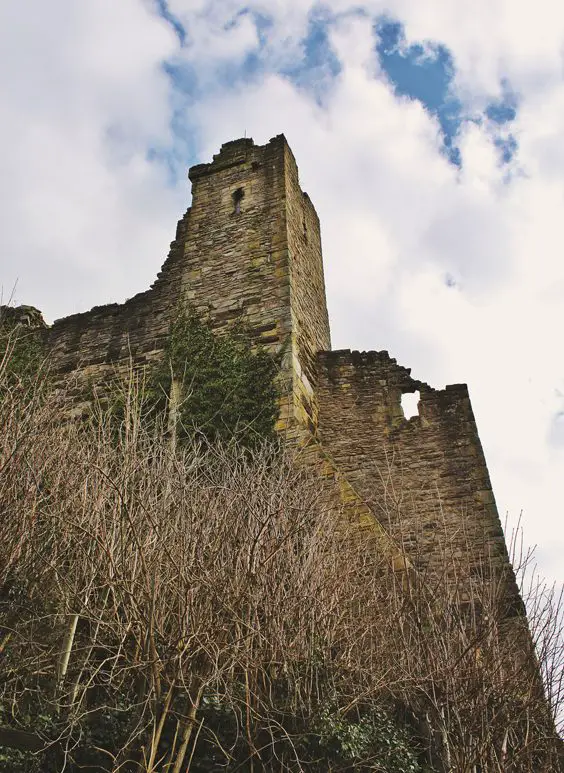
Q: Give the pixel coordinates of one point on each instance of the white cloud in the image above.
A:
(220, 40)
(84, 98)
(490, 39)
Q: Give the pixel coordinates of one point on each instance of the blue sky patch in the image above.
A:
(319, 64)
(422, 73)
(507, 147)
(316, 46)
(426, 73)
(503, 110)
(183, 78)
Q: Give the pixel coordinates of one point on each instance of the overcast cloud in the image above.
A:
(442, 230)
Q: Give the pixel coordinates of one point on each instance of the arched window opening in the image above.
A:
(237, 197)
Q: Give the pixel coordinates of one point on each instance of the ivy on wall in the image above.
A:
(221, 385)
(21, 355)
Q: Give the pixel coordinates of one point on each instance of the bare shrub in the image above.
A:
(208, 608)
(139, 579)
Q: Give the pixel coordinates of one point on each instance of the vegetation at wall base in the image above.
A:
(22, 357)
(200, 607)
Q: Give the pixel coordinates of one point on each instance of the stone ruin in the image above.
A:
(249, 248)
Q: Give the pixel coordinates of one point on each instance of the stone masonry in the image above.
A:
(425, 478)
(249, 248)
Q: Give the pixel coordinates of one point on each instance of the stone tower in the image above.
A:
(260, 258)
(249, 249)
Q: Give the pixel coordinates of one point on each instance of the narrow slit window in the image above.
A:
(237, 197)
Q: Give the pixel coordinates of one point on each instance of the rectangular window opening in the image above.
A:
(410, 404)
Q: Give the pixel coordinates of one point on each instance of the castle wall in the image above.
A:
(91, 345)
(229, 259)
(425, 478)
(235, 256)
(248, 250)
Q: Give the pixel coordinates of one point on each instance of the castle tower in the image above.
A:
(252, 252)
(248, 249)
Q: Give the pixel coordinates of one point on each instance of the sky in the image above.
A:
(429, 135)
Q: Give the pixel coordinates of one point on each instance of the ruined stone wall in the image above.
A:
(248, 250)
(235, 256)
(91, 345)
(229, 261)
(425, 478)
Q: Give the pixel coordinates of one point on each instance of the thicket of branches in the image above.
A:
(222, 386)
(207, 608)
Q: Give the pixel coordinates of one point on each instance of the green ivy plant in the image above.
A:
(21, 355)
(373, 741)
(224, 387)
